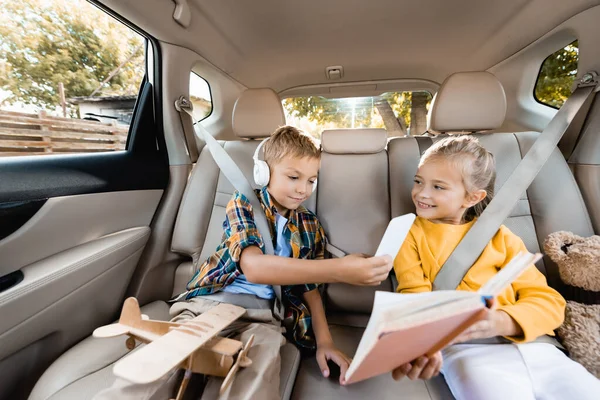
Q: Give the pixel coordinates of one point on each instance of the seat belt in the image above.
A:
(570, 139)
(187, 124)
(483, 230)
(233, 173)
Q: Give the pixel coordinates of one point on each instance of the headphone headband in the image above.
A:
(255, 156)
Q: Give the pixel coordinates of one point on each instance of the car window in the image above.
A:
(200, 96)
(69, 78)
(400, 113)
(556, 76)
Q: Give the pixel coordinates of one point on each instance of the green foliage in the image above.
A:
(401, 103)
(323, 110)
(43, 43)
(557, 75)
(358, 112)
(553, 87)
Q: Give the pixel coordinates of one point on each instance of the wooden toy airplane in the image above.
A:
(192, 345)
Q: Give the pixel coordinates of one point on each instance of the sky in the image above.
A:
(199, 87)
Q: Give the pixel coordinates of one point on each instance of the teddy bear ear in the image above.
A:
(555, 243)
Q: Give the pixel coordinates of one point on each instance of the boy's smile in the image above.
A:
(291, 182)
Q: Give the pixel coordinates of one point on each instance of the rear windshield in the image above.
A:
(400, 113)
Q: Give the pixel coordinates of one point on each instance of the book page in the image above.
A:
(428, 313)
(383, 301)
(388, 343)
(405, 326)
(509, 273)
(394, 235)
(438, 302)
(391, 309)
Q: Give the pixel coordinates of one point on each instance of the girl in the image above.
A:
(454, 183)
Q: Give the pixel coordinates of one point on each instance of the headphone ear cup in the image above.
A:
(261, 173)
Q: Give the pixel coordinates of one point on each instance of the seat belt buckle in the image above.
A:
(278, 310)
(334, 251)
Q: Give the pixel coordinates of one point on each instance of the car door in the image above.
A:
(73, 225)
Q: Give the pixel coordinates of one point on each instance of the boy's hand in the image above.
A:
(328, 351)
(496, 323)
(422, 368)
(363, 271)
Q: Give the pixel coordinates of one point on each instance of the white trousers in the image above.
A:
(537, 371)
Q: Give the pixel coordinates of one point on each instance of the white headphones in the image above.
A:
(262, 173)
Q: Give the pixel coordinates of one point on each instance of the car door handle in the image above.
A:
(9, 280)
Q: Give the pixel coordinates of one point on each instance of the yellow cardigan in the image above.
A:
(535, 306)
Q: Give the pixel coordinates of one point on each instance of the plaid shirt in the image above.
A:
(305, 235)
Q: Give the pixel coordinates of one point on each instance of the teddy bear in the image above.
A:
(578, 261)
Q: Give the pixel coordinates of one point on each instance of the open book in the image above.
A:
(404, 327)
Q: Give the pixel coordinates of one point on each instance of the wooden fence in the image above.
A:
(27, 134)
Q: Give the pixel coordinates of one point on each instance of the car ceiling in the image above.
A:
(284, 44)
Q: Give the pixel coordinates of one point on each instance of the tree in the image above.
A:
(392, 111)
(394, 125)
(43, 43)
(418, 112)
(352, 112)
(557, 75)
(397, 110)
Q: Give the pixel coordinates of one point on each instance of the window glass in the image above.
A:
(556, 76)
(200, 96)
(69, 78)
(400, 113)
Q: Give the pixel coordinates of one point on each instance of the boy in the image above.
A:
(239, 270)
(239, 265)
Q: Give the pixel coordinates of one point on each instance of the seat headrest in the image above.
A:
(468, 101)
(257, 113)
(354, 141)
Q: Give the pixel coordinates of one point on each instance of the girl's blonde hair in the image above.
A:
(477, 166)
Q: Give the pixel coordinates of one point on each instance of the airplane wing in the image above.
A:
(144, 330)
(111, 330)
(156, 359)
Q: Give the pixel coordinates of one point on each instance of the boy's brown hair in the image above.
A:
(288, 141)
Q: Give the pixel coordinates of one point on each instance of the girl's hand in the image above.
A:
(496, 323)
(422, 368)
(327, 351)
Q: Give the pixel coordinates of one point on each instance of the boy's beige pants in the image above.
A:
(258, 381)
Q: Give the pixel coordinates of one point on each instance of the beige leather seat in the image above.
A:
(354, 207)
(475, 102)
(364, 181)
(198, 229)
(86, 368)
